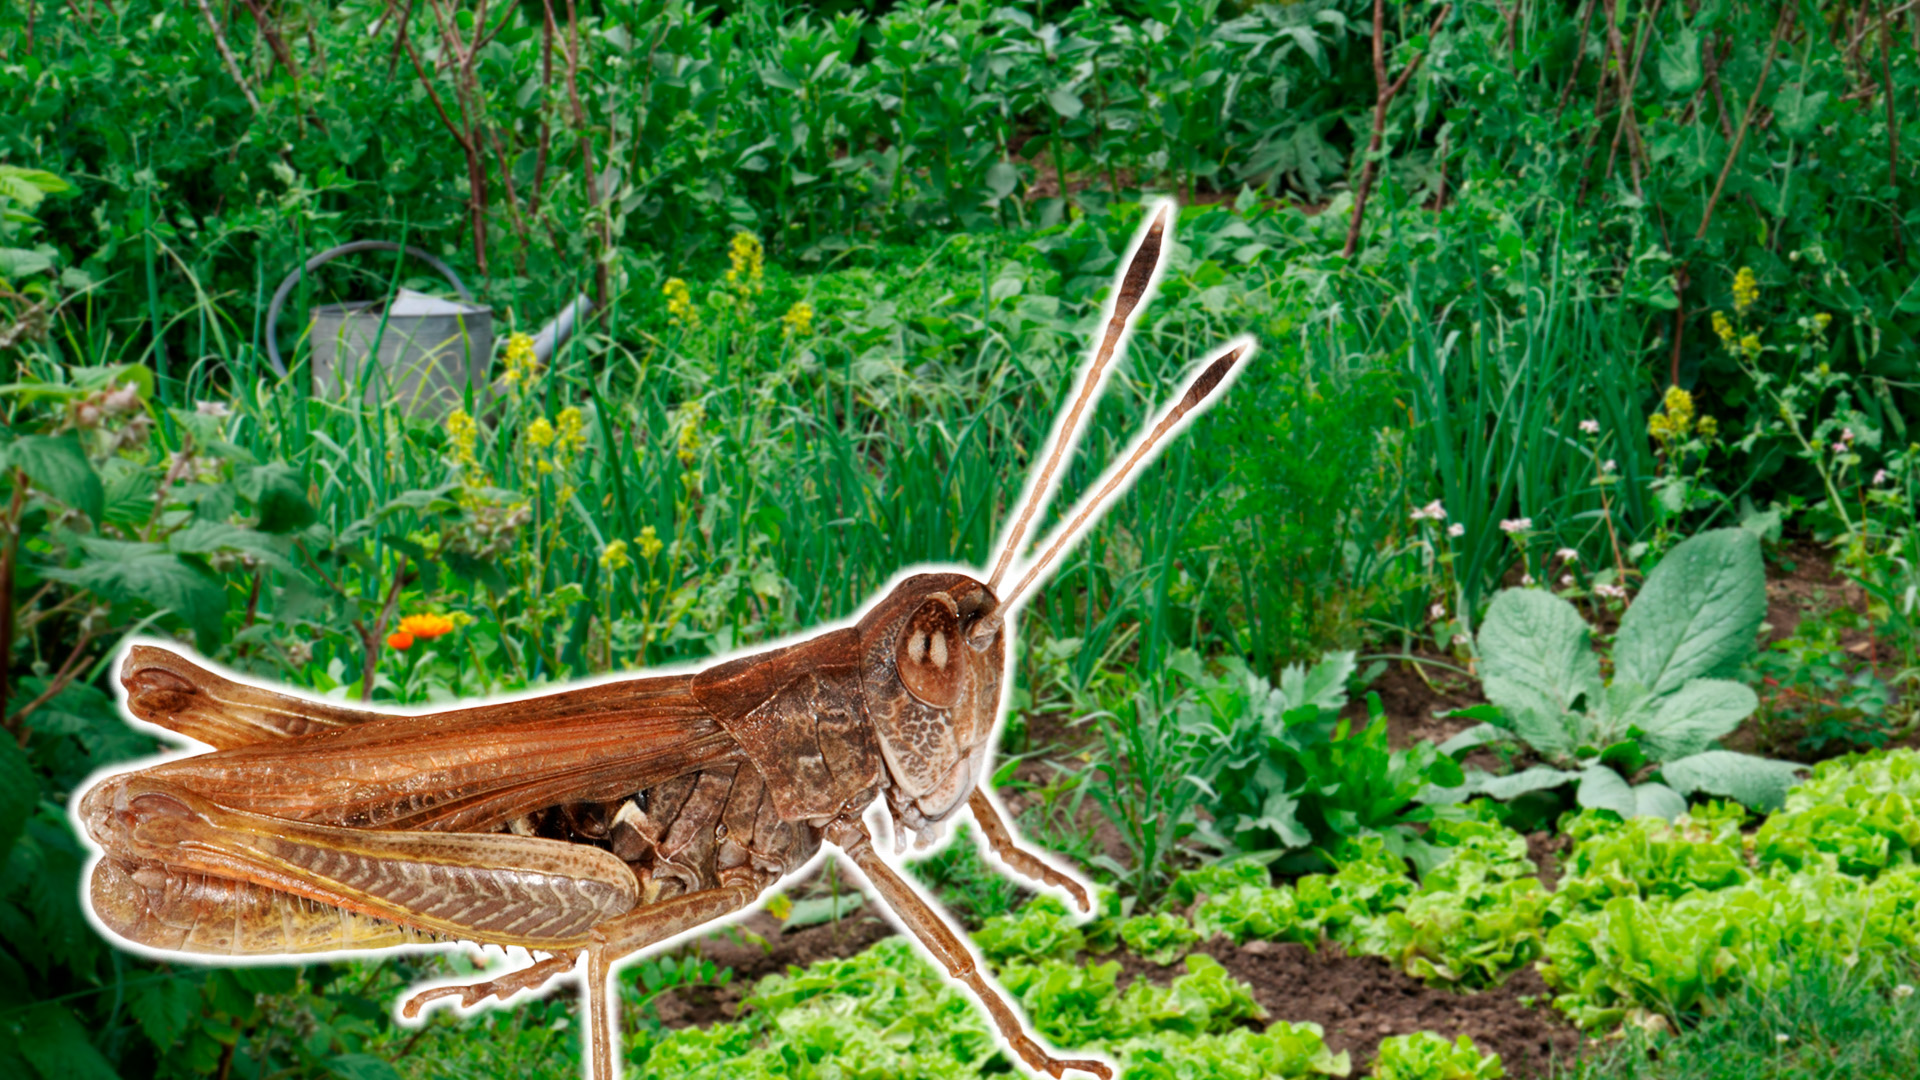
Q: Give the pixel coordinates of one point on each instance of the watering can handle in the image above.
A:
(280, 294)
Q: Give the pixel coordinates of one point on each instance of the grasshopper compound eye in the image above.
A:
(928, 653)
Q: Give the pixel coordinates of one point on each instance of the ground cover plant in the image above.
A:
(1551, 297)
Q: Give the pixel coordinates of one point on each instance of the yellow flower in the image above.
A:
(1746, 290)
(426, 626)
(680, 309)
(1751, 346)
(1708, 427)
(462, 433)
(522, 366)
(1821, 321)
(650, 544)
(691, 416)
(798, 321)
(573, 430)
(1723, 328)
(1679, 405)
(615, 556)
(541, 434)
(749, 264)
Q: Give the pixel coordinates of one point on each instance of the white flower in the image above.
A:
(1456, 530)
(1566, 581)
(1526, 579)
(1591, 427)
(1608, 466)
(1783, 1038)
(1612, 592)
(1462, 640)
(1846, 435)
(1437, 611)
(1839, 448)
(1516, 525)
(1567, 555)
(1880, 477)
(1903, 991)
(212, 408)
(1433, 511)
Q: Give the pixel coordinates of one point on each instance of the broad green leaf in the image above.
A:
(1697, 616)
(1796, 112)
(1002, 179)
(1603, 789)
(1477, 735)
(278, 496)
(162, 579)
(16, 263)
(57, 466)
(1755, 781)
(1504, 788)
(1323, 685)
(1655, 799)
(1065, 102)
(209, 537)
(1680, 68)
(58, 1048)
(28, 186)
(166, 1008)
(1689, 721)
(1535, 664)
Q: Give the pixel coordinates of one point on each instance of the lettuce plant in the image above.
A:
(1426, 1056)
(1640, 744)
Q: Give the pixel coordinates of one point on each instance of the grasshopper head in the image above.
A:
(932, 690)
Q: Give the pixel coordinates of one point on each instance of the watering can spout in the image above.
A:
(555, 333)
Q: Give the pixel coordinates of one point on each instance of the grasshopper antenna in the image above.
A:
(1197, 393)
(1133, 289)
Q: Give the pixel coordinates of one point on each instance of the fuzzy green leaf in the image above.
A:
(1755, 781)
(57, 466)
(1697, 616)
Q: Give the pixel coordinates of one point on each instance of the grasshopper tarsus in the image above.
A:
(601, 819)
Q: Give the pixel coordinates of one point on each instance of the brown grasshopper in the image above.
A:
(603, 819)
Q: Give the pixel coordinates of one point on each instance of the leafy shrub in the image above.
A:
(1289, 773)
(1695, 620)
(1426, 1056)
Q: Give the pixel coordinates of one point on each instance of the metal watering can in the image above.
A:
(432, 352)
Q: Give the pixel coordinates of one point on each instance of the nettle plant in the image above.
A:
(1640, 744)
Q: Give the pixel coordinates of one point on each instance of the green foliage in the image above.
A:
(1820, 701)
(886, 1013)
(1286, 771)
(1825, 1022)
(1666, 705)
(1669, 919)
(1477, 917)
(1041, 930)
(1426, 1056)
(1160, 936)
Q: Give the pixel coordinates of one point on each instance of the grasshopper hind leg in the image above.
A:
(531, 977)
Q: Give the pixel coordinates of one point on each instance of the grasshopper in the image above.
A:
(596, 822)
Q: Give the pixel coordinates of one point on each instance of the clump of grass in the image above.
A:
(1829, 1022)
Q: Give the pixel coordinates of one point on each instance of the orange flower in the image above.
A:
(426, 626)
(400, 639)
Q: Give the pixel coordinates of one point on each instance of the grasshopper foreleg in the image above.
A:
(850, 836)
(1024, 862)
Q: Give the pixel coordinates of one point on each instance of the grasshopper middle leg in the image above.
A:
(850, 836)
